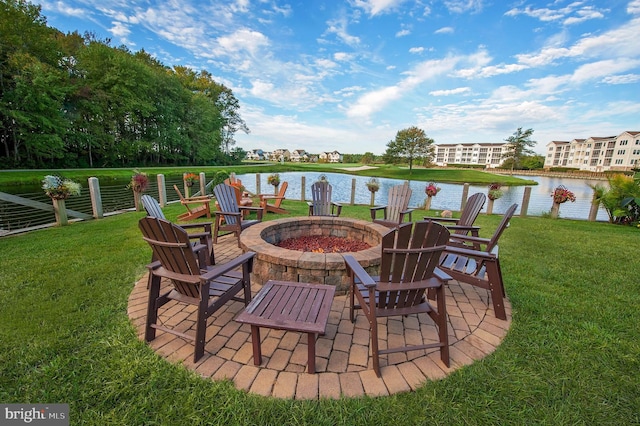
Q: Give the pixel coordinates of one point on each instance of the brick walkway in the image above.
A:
(342, 362)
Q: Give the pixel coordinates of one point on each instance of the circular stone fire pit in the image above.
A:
(276, 263)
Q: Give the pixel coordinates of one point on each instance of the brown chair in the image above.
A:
(408, 271)
(206, 288)
(321, 204)
(397, 206)
(230, 217)
(204, 235)
(277, 200)
(474, 260)
(469, 214)
(202, 206)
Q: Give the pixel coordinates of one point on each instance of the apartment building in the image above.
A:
(490, 155)
(597, 153)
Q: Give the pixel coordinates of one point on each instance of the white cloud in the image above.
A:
(416, 50)
(444, 30)
(572, 14)
(403, 33)
(119, 30)
(242, 40)
(622, 79)
(450, 92)
(601, 69)
(462, 6)
(633, 8)
(374, 7)
(339, 28)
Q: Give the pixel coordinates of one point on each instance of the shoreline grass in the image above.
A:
(11, 178)
(572, 355)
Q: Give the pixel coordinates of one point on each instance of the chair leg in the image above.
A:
(152, 307)
(496, 289)
(201, 325)
(441, 322)
(373, 323)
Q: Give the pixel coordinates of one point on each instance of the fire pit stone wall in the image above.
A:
(275, 263)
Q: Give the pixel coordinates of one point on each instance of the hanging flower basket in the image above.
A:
(494, 191)
(59, 188)
(139, 182)
(190, 179)
(432, 189)
(561, 195)
(373, 185)
(273, 179)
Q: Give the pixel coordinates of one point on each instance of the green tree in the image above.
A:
(519, 145)
(410, 144)
(368, 158)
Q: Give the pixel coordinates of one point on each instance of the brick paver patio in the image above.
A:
(342, 362)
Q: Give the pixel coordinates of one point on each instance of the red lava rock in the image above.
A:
(320, 244)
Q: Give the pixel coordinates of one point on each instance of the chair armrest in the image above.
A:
(374, 211)
(442, 219)
(259, 210)
(205, 225)
(338, 206)
(470, 238)
(219, 213)
(218, 270)
(355, 269)
(477, 254)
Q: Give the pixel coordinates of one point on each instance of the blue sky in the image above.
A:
(346, 75)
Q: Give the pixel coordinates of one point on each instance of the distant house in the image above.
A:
(299, 155)
(280, 155)
(255, 155)
(331, 157)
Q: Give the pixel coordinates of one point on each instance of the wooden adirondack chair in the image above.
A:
(208, 288)
(397, 206)
(321, 204)
(474, 260)
(230, 216)
(275, 207)
(464, 224)
(237, 183)
(204, 235)
(408, 271)
(202, 206)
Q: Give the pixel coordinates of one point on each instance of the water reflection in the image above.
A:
(450, 196)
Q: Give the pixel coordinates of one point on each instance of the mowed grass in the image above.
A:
(572, 355)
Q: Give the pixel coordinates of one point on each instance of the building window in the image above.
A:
(621, 152)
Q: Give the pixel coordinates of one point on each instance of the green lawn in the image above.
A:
(572, 355)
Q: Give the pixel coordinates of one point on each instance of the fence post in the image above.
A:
(258, 191)
(60, 211)
(353, 191)
(303, 185)
(465, 195)
(203, 184)
(525, 201)
(96, 197)
(162, 190)
(593, 211)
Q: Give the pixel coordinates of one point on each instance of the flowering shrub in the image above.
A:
(432, 189)
(139, 181)
(561, 195)
(273, 179)
(494, 191)
(59, 188)
(190, 178)
(373, 185)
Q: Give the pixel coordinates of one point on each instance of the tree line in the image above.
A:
(71, 100)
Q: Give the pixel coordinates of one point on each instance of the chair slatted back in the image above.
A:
(152, 207)
(409, 254)
(321, 196)
(504, 224)
(171, 246)
(471, 211)
(226, 196)
(398, 201)
(281, 192)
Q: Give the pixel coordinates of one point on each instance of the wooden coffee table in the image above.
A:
(290, 306)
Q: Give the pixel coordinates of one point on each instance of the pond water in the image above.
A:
(450, 195)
